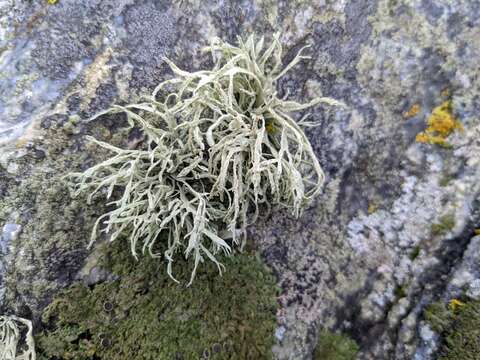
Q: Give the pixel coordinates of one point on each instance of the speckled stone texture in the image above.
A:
(393, 229)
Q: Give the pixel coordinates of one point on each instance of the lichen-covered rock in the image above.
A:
(401, 202)
(463, 282)
(466, 276)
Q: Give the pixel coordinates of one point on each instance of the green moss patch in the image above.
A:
(415, 252)
(333, 346)
(459, 327)
(144, 315)
(446, 224)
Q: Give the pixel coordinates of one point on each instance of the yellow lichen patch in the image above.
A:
(20, 143)
(477, 231)
(372, 207)
(413, 111)
(455, 304)
(442, 120)
(431, 139)
(52, 2)
(441, 124)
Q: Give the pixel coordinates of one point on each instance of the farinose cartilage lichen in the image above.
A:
(11, 336)
(219, 143)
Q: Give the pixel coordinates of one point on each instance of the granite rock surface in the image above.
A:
(394, 228)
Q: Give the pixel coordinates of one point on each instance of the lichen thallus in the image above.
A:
(218, 144)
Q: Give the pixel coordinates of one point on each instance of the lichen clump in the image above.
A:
(219, 145)
(441, 124)
(144, 315)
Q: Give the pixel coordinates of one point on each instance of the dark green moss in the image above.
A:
(400, 291)
(446, 179)
(415, 252)
(462, 339)
(145, 315)
(333, 346)
(438, 316)
(446, 224)
(459, 328)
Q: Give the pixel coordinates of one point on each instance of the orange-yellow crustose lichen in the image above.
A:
(441, 124)
(413, 111)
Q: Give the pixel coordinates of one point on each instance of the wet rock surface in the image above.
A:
(394, 228)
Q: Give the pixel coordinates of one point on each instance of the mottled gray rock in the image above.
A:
(428, 344)
(466, 275)
(474, 289)
(279, 333)
(396, 216)
(9, 233)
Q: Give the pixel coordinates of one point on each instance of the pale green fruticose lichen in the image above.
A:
(219, 144)
(10, 335)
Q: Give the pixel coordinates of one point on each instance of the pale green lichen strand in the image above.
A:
(219, 143)
(10, 336)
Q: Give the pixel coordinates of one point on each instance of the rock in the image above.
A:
(98, 275)
(280, 332)
(465, 276)
(391, 231)
(474, 289)
(12, 168)
(10, 232)
(428, 344)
